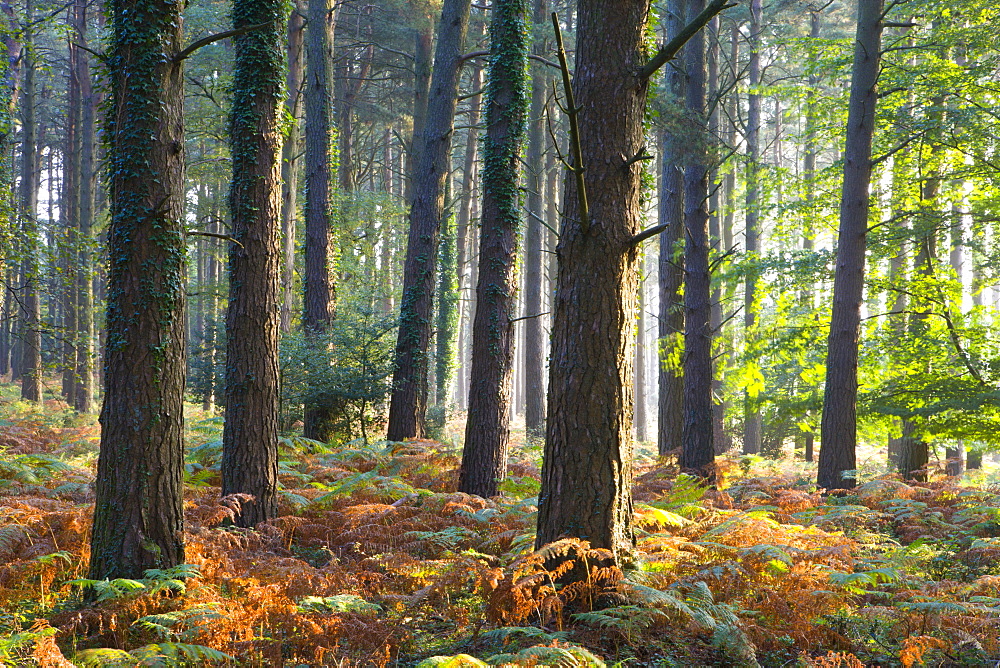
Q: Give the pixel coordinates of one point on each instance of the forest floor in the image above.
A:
(376, 560)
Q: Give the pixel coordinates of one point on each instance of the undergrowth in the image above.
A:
(377, 560)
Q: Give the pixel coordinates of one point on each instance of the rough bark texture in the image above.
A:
(250, 433)
(751, 413)
(534, 335)
(641, 426)
(423, 45)
(487, 432)
(838, 435)
(697, 448)
(408, 404)
(138, 518)
(670, 405)
(320, 289)
(587, 466)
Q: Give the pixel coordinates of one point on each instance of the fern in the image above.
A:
(183, 624)
(568, 656)
(159, 655)
(338, 603)
(506, 633)
(110, 590)
(457, 661)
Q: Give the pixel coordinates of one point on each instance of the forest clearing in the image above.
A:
(509, 332)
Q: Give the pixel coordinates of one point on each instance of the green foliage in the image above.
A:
(159, 655)
(350, 364)
(338, 603)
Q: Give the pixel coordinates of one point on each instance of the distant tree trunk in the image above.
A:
(838, 433)
(697, 447)
(715, 236)
(84, 394)
(290, 161)
(70, 213)
(487, 432)
(408, 404)
(587, 465)
(250, 432)
(447, 314)
(320, 290)
(465, 234)
(751, 412)
(534, 336)
(671, 262)
(138, 517)
(31, 308)
(641, 427)
(809, 176)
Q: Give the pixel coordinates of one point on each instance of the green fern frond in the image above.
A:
(505, 633)
(170, 654)
(104, 656)
(338, 603)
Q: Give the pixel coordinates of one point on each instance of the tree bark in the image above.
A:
(751, 412)
(250, 432)
(534, 336)
(487, 432)
(408, 404)
(31, 307)
(138, 517)
(587, 465)
(838, 433)
(641, 426)
(290, 160)
(670, 407)
(84, 376)
(320, 288)
(697, 447)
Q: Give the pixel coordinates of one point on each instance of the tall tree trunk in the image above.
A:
(587, 465)
(447, 315)
(138, 517)
(487, 431)
(715, 236)
(250, 433)
(809, 177)
(697, 447)
(31, 309)
(670, 413)
(290, 160)
(320, 290)
(84, 376)
(408, 404)
(838, 433)
(534, 336)
(751, 412)
(465, 234)
(70, 212)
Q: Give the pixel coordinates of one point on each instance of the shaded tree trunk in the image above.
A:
(250, 432)
(641, 426)
(84, 376)
(838, 433)
(31, 306)
(320, 289)
(487, 432)
(408, 404)
(138, 517)
(697, 447)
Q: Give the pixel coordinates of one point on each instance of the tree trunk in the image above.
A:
(837, 456)
(641, 427)
(31, 308)
(697, 447)
(138, 517)
(68, 238)
(809, 177)
(290, 161)
(465, 234)
(487, 431)
(534, 336)
(84, 376)
(408, 404)
(587, 465)
(320, 290)
(423, 47)
(751, 412)
(671, 264)
(250, 433)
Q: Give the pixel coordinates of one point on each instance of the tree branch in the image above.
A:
(205, 41)
(670, 49)
(574, 129)
(647, 233)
